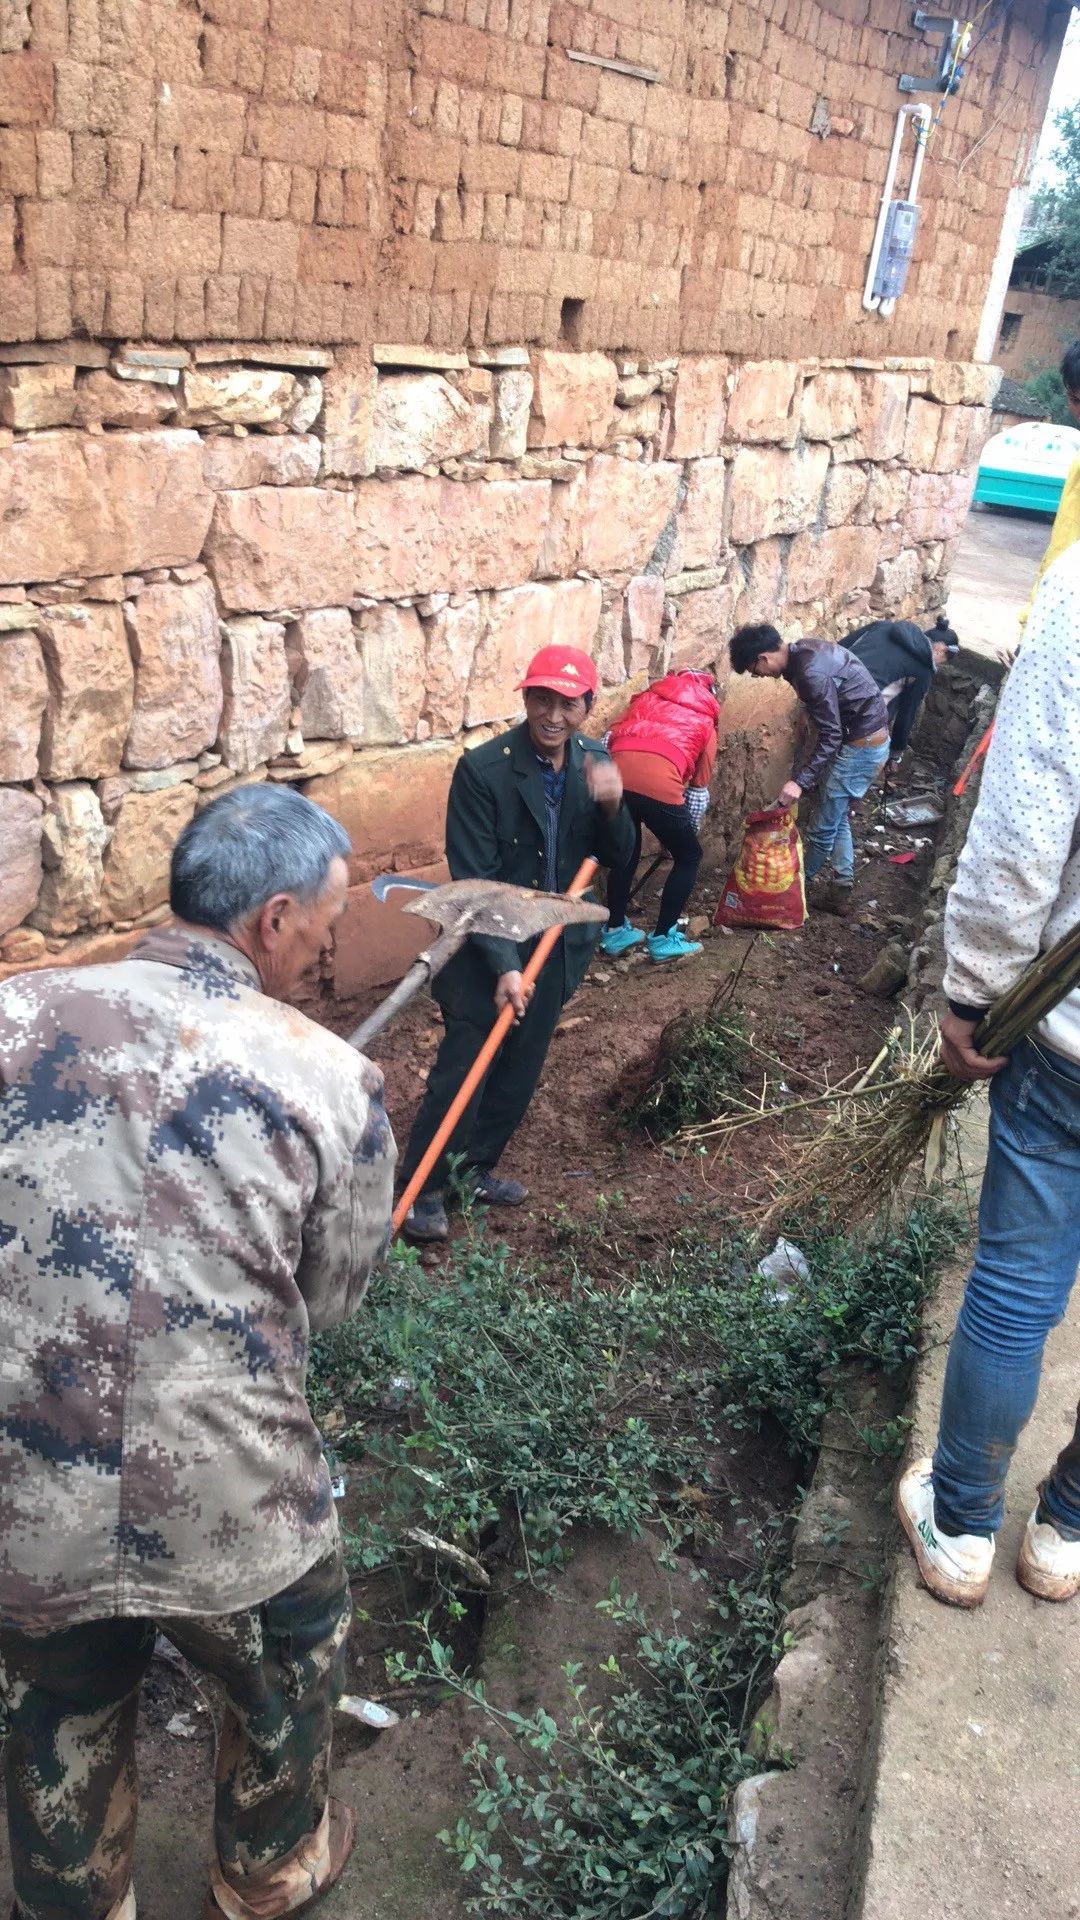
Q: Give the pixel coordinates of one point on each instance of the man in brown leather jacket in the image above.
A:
(845, 704)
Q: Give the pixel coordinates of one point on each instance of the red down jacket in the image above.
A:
(674, 718)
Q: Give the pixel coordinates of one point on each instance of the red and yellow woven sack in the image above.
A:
(765, 887)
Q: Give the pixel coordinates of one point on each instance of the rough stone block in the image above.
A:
(774, 491)
(762, 404)
(887, 494)
(453, 636)
(392, 805)
(78, 504)
(826, 566)
(418, 535)
(703, 625)
(897, 584)
(348, 405)
(272, 547)
(327, 675)
(73, 842)
(845, 491)
(261, 460)
(392, 648)
(700, 536)
(516, 625)
(763, 575)
(830, 406)
(103, 400)
(172, 629)
(937, 505)
(883, 404)
(627, 506)
(560, 551)
(420, 420)
(512, 394)
(20, 868)
(91, 685)
(643, 611)
(147, 828)
(921, 436)
(699, 406)
(573, 399)
(255, 679)
(24, 689)
(34, 397)
(237, 396)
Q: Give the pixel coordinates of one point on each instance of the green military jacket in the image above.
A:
(496, 821)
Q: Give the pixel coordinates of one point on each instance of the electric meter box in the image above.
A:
(897, 246)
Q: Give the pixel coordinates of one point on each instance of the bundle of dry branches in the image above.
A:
(898, 1109)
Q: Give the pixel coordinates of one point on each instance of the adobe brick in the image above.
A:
(435, 158)
(247, 185)
(545, 176)
(515, 68)
(269, 247)
(101, 237)
(201, 117)
(18, 307)
(123, 170)
(251, 312)
(295, 134)
(276, 190)
(26, 89)
(52, 300)
(302, 195)
(48, 233)
(566, 81)
(453, 52)
(605, 143)
(621, 98)
(160, 308)
(351, 142)
(19, 161)
(123, 103)
(88, 301)
(221, 58)
(124, 304)
(170, 242)
(489, 169)
(362, 198)
(251, 16)
(295, 20)
(55, 175)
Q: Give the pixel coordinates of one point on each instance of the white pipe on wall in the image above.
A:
(922, 115)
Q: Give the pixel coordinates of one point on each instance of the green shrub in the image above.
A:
(700, 1063)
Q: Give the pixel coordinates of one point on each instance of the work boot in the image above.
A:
(833, 896)
(1047, 1565)
(671, 946)
(292, 1885)
(495, 1192)
(955, 1567)
(618, 940)
(426, 1219)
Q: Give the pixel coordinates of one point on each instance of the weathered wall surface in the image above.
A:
(359, 170)
(292, 568)
(1048, 323)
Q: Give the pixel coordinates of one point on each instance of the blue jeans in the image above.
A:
(1025, 1264)
(851, 775)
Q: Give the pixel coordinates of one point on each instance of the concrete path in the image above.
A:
(975, 1788)
(995, 565)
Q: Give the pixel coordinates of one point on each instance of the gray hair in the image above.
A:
(247, 846)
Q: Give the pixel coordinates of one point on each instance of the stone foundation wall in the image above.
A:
(292, 566)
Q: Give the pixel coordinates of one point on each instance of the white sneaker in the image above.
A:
(955, 1568)
(1047, 1565)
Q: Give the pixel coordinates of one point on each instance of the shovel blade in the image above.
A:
(495, 908)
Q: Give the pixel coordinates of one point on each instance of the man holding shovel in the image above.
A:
(527, 808)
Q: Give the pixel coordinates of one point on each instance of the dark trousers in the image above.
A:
(71, 1698)
(499, 1104)
(675, 830)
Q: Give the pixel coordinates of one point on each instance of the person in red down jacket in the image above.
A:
(665, 749)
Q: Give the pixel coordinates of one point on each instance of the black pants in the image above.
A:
(676, 831)
(499, 1104)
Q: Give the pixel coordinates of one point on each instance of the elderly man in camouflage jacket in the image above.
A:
(193, 1176)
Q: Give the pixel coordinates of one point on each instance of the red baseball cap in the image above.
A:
(564, 669)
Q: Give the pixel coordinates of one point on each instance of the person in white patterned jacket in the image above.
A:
(1017, 893)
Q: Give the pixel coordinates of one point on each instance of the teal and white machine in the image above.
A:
(1026, 466)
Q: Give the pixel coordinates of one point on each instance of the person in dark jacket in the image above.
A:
(848, 712)
(903, 661)
(665, 749)
(527, 807)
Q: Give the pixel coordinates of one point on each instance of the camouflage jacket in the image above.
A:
(192, 1178)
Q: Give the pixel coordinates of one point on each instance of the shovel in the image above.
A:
(460, 908)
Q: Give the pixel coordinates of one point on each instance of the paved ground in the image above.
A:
(977, 1785)
(992, 575)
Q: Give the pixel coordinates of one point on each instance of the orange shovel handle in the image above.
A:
(973, 762)
(504, 1021)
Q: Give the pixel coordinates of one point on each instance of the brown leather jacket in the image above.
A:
(841, 698)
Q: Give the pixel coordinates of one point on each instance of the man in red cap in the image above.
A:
(527, 807)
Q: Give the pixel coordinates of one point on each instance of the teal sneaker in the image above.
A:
(671, 946)
(617, 940)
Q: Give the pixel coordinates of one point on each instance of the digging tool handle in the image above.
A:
(486, 1055)
(429, 964)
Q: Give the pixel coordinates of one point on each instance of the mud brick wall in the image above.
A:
(332, 569)
(1048, 324)
(346, 171)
